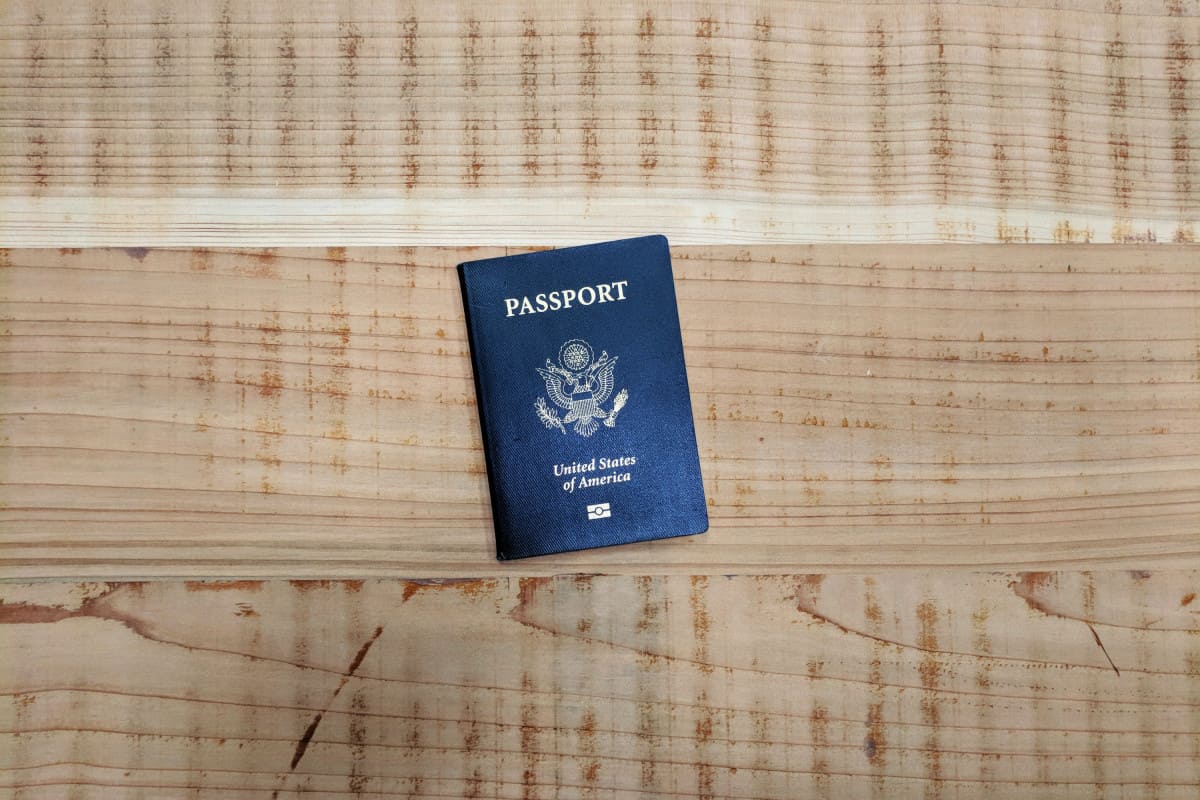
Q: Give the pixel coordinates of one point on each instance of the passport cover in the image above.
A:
(583, 397)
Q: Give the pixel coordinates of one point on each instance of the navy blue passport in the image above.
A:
(583, 397)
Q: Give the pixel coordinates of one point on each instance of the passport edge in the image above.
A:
(481, 409)
(568, 250)
(655, 537)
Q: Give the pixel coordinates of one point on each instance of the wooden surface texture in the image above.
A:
(954, 489)
(1031, 685)
(281, 123)
(311, 412)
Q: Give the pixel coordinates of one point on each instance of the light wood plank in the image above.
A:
(1032, 685)
(136, 122)
(311, 413)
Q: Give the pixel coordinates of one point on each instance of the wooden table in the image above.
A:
(941, 311)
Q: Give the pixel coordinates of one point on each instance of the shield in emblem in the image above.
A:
(583, 403)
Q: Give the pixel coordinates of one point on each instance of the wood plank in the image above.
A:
(139, 122)
(946, 685)
(311, 413)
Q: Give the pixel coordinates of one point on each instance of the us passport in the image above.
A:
(583, 397)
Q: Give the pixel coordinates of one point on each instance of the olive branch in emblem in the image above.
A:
(547, 415)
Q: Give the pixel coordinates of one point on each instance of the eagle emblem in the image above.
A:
(579, 384)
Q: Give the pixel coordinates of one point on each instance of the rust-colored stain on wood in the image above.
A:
(226, 412)
(1036, 121)
(223, 586)
(311, 412)
(927, 648)
(879, 695)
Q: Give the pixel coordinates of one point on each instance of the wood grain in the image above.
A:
(149, 122)
(217, 410)
(1032, 685)
(311, 412)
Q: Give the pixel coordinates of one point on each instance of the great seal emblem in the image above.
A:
(579, 384)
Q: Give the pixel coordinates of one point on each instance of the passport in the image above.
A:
(583, 397)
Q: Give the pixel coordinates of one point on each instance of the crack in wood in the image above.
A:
(355, 663)
(1103, 649)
